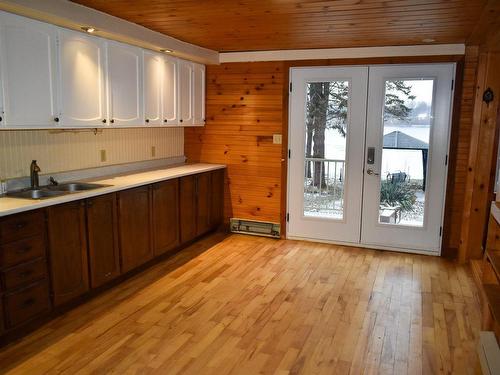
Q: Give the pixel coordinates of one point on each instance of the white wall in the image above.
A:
(71, 151)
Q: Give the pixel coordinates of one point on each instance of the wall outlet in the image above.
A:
(277, 139)
(153, 151)
(103, 156)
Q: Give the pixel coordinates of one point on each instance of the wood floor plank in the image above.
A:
(234, 304)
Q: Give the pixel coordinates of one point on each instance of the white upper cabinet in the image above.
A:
(198, 94)
(153, 75)
(28, 72)
(170, 92)
(185, 92)
(125, 91)
(83, 93)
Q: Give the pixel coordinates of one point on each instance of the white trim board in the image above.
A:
(343, 53)
(73, 16)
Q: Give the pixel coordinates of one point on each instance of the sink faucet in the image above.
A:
(34, 169)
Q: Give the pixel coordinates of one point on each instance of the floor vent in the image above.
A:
(256, 228)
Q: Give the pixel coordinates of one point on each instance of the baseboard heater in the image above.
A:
(255, 228)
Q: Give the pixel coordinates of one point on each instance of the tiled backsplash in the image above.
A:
(57, 152)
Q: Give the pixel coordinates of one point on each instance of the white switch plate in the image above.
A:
(277, 139)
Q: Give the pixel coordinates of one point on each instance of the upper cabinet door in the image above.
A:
(125, 93)
(28, 72)
(83, 94)
(198, 94)
(170, 108)
(185, 92)
(153, 75)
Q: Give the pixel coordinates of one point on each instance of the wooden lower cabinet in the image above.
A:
(187, 207)
(217, 198)
(165, 216)
(2, 320)
(134, 227)
(68, 251)
(27, 303)
(203, 197)
(102, 233)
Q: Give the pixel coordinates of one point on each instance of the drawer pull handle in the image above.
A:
(24, 250)
(108, 274)
(29, 302)
(20, 225)
(25, 274)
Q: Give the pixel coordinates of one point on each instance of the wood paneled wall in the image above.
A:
(247, 104)
(243, 111)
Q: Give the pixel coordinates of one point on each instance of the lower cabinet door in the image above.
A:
(165, 216)
(134, 227)
(203, 198)
(27, 303)
(2, 320)
(68, 251)
(217, 198)
(102, 230)
(187, 207)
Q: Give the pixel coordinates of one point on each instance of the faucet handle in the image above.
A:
(52, 181)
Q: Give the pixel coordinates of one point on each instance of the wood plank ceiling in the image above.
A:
(247, 25)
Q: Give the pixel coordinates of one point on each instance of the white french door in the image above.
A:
(368, 154)
(330, 171)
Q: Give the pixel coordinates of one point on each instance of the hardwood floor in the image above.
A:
(248, 305)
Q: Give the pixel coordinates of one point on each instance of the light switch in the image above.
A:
(277, 139)
(153, 151)
(103, 155)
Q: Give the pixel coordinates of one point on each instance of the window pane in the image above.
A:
(406, 137)
(325, 151)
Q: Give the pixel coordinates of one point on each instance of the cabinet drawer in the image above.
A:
(24, 274)
(25, 304)
(21, 226)
(22, 251)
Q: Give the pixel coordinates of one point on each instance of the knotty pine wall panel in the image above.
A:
(71, 151)
(244, 109)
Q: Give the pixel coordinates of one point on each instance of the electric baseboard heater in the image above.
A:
(255, 228)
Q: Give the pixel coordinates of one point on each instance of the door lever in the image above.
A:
(371, 172)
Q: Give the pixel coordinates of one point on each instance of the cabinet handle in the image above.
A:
(1, 118)
(147, 120)
(28, 302)
(56, 119)
(165, 120)
(182, 120)
(20, 225)
(23, 250)
(104, 121)
(112, 121)
(89, 204)
(25, 274)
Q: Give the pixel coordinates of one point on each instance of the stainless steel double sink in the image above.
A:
(52, 191)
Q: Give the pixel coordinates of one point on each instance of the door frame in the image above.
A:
(458, 60)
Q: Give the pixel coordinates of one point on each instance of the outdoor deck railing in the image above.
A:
(323, 184)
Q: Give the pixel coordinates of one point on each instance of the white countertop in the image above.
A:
(9, 206)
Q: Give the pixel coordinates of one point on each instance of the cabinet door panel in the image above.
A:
(153, 69)
(170, 92)
(82, 74)
(203, 198)
(185, 92)
(68, 251)
(28, 69)
(187, 207)
(217, 198)
(104, 252)
(125, 92)
(165, 216)
(199, 95)
(135, 227)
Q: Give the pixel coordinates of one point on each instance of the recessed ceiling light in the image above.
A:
(165, 50)
(88, 29)
(428, 40)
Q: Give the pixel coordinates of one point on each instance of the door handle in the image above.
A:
(371, 172)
